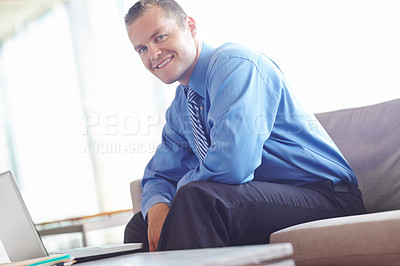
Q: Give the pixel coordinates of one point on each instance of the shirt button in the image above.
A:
(201, 108)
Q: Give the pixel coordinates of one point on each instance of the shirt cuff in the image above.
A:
(153, 201)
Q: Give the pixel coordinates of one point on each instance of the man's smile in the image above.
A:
(163, 63)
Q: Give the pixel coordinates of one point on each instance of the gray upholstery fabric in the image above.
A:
(367, 239)
(136, 195)
(369, 138)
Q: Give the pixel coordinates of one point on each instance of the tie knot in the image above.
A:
(191, 94)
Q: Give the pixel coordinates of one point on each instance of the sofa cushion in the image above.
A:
(136, 195)
(368, 239)
(369, 138)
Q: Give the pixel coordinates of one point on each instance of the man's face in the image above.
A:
(166, 50)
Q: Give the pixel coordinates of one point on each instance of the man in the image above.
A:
(240, 157)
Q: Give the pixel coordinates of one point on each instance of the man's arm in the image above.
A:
(171, 161)
(244, 104)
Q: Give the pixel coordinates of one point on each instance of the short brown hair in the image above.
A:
(170, 8)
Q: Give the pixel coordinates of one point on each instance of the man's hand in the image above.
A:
(156, 217)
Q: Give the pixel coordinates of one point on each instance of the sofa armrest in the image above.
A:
(136, 195)
(366, 239)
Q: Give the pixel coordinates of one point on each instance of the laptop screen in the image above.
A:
(17, 231)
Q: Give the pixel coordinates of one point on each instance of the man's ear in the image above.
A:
(191, 25)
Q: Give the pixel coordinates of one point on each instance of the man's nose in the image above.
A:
(155, 52)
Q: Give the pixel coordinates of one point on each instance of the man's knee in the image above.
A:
(195, 194)
(192, 190)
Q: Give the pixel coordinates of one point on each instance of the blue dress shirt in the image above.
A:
(257, 128)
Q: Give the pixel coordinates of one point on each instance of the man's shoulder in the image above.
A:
(226, 53)
(231, 50)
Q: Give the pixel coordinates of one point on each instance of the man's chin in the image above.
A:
(166, 80)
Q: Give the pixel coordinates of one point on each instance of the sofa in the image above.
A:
(369, 138)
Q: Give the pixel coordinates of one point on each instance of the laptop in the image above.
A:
(22, 241)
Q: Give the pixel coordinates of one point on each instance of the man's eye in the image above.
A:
(161, 37)
(142, 50)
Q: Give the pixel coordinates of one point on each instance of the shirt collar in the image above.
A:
(198, 78)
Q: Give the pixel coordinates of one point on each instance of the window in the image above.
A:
(43, 120)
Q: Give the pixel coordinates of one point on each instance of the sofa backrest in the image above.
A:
(369, 138)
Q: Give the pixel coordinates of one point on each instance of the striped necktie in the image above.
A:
(198, 129)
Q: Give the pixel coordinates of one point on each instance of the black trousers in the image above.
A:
(208, 214)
